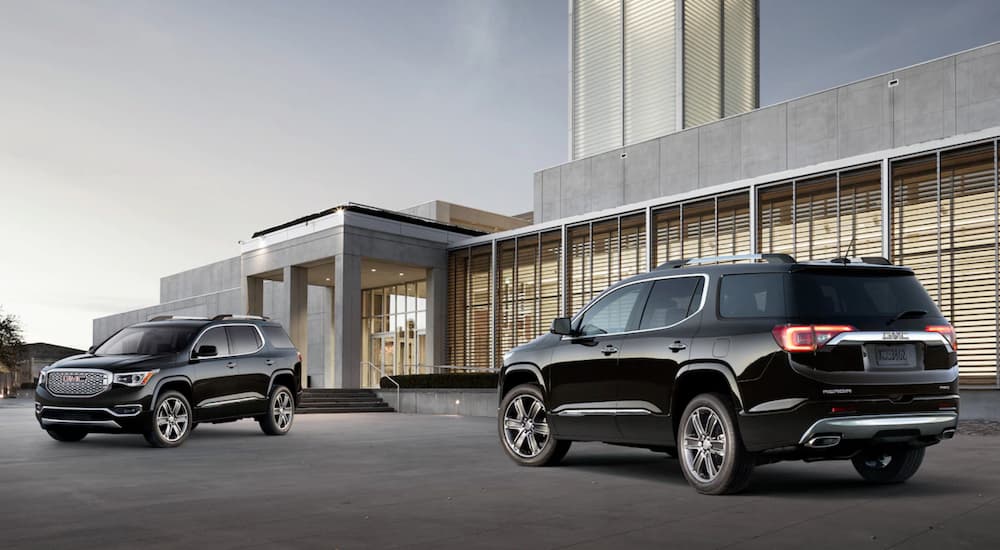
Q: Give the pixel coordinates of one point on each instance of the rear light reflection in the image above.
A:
(947, 331)
(805, 338)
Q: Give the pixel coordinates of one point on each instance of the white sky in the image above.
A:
(139, 139)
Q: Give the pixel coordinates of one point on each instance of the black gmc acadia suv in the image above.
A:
(161, 378)
(741, 364)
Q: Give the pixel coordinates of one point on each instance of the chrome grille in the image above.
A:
(77, 383)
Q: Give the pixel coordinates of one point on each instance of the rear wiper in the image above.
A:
(908, 314)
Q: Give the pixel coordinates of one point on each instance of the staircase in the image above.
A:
(341, 401)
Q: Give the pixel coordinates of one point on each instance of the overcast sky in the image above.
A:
(138, 139)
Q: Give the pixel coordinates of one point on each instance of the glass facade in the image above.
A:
(394, 326)
(936, 214)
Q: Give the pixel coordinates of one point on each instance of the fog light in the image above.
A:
(38, 407)
(128, 410)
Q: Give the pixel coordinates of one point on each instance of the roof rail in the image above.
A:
(176, 318)
(232, 316)
(873, 260)
(769, 258)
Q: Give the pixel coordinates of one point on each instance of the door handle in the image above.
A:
(677, 346)
(231, 365)
(609, 350)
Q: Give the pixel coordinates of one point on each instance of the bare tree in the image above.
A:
(11, 341)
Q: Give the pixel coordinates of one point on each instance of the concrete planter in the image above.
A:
(463, 402)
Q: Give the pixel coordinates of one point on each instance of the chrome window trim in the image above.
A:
(109, 374)
(197, 340)
(701, 306)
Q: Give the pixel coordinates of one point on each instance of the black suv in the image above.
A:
(161, 378)
(735, 364)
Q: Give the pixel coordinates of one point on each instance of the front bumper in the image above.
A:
(117, 410)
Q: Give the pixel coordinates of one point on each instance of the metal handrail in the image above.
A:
(384, 375)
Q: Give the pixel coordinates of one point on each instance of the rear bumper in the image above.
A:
(883, 426)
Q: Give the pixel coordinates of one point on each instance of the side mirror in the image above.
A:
(91, 350)
(206, 351)
(562, 325)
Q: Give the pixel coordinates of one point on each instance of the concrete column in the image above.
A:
(437, 320)
(296, 291)
(253, 295)
(347, 320)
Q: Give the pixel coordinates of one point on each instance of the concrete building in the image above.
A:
(34, 357)
(903, 165)
(641, 69)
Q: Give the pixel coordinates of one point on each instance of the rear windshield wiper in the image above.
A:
(908, 314)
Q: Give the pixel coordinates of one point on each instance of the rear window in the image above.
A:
(277, 337)
(752, 295)
(853, 295)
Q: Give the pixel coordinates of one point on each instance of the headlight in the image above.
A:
(134, 379)
(42, 376)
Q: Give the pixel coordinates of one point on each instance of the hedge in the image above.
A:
(454, 380)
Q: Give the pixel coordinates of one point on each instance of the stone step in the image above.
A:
(329, 410)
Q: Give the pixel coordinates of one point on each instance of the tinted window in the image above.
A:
(612, 312)
(277, 337)
(243, 339)
(852, 295)
(215, 337)
(671, 301)
(752, 295)
(148, 340)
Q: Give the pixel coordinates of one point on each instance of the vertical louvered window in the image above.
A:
(633, 245)
(945, 228)
(816, 218)
(578, 267)
(734, 225)
(667, 235)
(478, 340)
(861, 212)
(506, 296)
(549, 279)
(606, 256)
(458, 295)
(526, 312)
(774, 229)
(698, 229)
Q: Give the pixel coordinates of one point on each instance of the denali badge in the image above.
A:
(837, 391)
(894, 335)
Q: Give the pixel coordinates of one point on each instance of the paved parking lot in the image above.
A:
(389, 480)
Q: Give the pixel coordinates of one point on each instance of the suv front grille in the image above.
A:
(77, 383)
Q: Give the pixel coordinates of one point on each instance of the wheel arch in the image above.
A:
(517, 374)
(179, 383)
(697, 378)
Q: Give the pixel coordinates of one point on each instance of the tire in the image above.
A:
(280, 412)
(885, 466)
(524, 429)
(712, 455)
(67, 435)
(171, 420)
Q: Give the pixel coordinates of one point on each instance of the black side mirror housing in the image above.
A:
(91, 350)
(206, 351)
(562, 325)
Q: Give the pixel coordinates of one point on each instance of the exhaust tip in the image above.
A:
(823, 441)
(948, 434)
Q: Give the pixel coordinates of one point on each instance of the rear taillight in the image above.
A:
(804, 338)
(947, 331)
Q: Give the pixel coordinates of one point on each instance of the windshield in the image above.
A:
(152, 340)
(883, 294)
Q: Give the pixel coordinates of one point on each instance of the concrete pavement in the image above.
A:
(390, 480)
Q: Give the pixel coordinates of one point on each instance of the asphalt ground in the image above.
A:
(392, 480)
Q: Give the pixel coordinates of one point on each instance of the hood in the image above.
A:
(113, 363)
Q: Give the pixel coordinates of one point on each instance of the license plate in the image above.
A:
(895, 357)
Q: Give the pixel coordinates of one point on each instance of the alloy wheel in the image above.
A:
(704, 444)
(172, 419)
(526, 429)
(283, 410)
